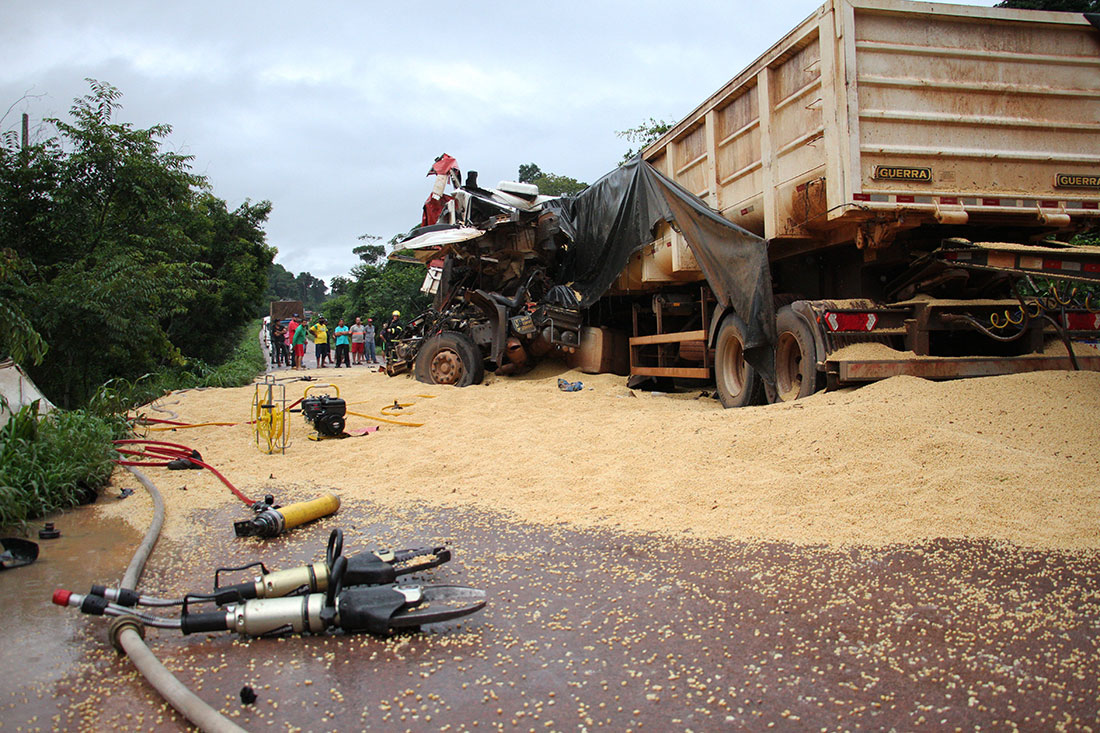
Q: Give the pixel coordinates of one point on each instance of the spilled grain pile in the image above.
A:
(1013, 458)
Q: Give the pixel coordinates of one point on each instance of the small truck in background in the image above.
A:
(282, 310)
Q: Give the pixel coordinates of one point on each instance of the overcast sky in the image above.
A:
(335, 111)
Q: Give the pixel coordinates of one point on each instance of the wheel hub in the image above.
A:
(446, 367)
(734, 365)
(788, 364)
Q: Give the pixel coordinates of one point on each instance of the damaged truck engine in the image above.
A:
(494, 259)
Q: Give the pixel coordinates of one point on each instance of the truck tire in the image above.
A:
(449, 358)
(737, 381)
(796, 374)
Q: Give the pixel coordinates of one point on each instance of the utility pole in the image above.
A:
(26, 131)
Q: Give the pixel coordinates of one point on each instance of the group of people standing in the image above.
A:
(353, 344)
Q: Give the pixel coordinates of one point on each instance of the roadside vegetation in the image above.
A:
(54, 461)
(122, 277)
(62, 459)
(117, 260)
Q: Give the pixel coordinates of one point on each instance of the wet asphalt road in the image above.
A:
(599, 629)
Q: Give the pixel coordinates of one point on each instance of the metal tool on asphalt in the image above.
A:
(376, 609)
(374, 567)
(272, 520)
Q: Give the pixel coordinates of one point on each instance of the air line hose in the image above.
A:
(163, 453)
(127, 635)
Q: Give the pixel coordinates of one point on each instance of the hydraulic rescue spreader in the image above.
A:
(253, 609)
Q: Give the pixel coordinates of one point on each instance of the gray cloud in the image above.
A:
(334, 112)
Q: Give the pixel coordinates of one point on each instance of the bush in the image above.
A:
(53, 462)
(64, 458)
(247, 361)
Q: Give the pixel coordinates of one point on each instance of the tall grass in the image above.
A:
(52, 462)
(62, 459)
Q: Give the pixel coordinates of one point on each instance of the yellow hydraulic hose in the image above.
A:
(386, 419)
(193, 425)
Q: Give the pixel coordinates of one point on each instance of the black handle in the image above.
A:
(197, 623)
(335, 548)
(336, 582)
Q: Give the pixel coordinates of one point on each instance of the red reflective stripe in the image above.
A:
(1090, 205)
(949, 200)
(861, 197)
(1052, 264)
(903, 199)
(851, 321)
(1049, 204)
(1083, 321)
(991, 202)
(1091, 267)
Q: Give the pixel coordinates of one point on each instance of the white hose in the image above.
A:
(126, 634)
(137, 563)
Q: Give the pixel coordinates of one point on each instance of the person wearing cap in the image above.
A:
(320, 341)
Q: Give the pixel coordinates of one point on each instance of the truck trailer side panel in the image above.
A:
(888, 110)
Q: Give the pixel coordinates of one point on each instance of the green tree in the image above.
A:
(112, 240)
(550, 184)
(378, 286)
(1070, 6)
(18, 339)
(281, 285)
(528, 172)
(312, 290)
(643, 136)
(233, 245)
(339, 285)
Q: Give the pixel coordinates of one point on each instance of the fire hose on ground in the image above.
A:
(127, 634)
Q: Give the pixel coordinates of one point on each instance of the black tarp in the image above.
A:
(617, 215)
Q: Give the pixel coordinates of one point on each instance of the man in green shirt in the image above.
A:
(301, 337)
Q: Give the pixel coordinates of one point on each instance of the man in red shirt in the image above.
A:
(291, 328)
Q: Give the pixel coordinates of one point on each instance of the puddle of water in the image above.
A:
(39, 642)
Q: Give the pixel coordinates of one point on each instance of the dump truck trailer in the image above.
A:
(905, 164)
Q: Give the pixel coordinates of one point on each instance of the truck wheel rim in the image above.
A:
(788, 367)
(446, 367)
(734, 366)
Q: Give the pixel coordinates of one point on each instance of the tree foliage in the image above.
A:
(643, 136)
(117, 255)
(283, 284)
(1071, 6)
(378, 286)
(550, 184)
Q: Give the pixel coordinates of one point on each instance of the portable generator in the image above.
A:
(326, 413)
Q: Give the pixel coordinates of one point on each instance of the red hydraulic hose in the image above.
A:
(170, 451)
